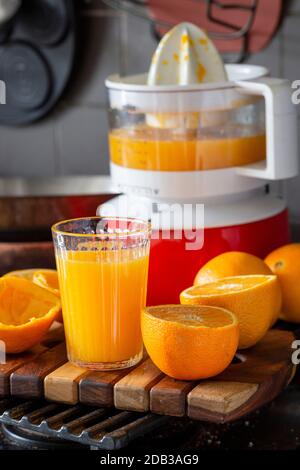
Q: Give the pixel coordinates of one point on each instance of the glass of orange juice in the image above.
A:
(102, 265)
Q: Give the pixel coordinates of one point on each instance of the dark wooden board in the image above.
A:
(28, 380)
(14, 362)
(256, 377)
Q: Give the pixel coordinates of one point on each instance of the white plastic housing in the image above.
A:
(245, 83)
(253, 207)
(281, 130)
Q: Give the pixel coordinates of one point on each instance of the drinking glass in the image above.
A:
(102, 265)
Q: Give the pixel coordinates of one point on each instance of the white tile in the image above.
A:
(92, 4)
(291, 48)
(81, 136)
(270, 56)
(138, 43)
(293, 199)
(293, 6)
(28, 151)
(98, 56)
(293, 192)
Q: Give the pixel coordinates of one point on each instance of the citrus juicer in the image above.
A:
(195, 146)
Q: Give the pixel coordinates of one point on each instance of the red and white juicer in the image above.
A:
(220, 194)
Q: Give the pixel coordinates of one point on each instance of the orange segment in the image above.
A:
(190, 342)
(26, 313)
(228, 285)
(255, 300)
(207, 317)
(21, 273)
(46, 278)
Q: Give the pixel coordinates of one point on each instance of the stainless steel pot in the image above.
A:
(28, 208)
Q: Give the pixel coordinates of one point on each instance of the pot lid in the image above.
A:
(253, 22)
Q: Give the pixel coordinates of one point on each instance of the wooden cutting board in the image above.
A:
(255, 377)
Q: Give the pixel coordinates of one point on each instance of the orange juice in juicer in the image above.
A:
(200, 144)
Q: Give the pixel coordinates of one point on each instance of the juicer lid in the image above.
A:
(135, 95)
(138, 83)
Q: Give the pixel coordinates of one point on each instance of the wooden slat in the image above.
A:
(28, 380)
(132, 391)
(97, 388)
(13, 362)
(265, 371)
(169, 396)
(61, 385)
(243, 387)
(212, 398)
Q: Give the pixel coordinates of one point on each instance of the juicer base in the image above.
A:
(255, 222)
(173, 268)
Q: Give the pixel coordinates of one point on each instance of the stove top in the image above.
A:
(260, 431)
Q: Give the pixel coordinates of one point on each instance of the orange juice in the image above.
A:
(103, 293)
(143, 148)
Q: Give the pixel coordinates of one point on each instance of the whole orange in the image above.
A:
(190, 342)
(231, 263)
(285, 263)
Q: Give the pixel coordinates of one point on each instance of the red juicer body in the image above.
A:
(173, 268)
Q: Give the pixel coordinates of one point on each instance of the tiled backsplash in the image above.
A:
(73, 139)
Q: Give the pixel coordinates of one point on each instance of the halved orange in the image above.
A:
(255, 300)
(47, 278)
(190, 342)
(26, 313)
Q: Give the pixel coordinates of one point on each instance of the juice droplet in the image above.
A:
(201, 72)
(186, 39)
